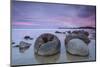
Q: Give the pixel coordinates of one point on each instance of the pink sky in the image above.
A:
(42, 15)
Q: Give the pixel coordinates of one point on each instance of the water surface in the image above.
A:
(28, 57)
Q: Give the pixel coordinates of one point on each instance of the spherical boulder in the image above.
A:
(47, 44)
(77, 43)
(77, 47)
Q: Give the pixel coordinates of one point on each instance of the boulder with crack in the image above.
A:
(77, 47)
(77, 43)
(47, 44)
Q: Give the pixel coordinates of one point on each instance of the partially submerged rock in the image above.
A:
(47, 44)
(28, 38)
(81, 32)
(60, 32)
(77, 40)
(77, 47)
(24, 46)
(13, 43)
(69, 32)
(16, 46)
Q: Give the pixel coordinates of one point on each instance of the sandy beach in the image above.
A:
(28, 57)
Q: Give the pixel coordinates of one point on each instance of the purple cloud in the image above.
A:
(46, 15)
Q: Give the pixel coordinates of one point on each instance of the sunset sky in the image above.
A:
(33, 15)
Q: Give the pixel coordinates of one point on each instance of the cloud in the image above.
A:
(44, 15)
(85, 11)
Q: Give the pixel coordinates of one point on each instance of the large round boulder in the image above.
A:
(47, 44)
(77, 43)
(77, 47)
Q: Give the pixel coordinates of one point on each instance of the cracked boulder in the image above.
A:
(77, 47)
(47, 44)
(77, 43)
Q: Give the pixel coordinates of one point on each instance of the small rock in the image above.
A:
(31, 38)
(81, 32)
(16, 46)
(24, 46)
(58, 32)
(69, 32)
(77, 34)
(28, 38)
(63, 32)
(86, 33)
(13, 43)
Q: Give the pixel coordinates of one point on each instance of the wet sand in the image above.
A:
(28, 57)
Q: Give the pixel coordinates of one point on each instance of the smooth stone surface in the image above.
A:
(77, 47)
(48, 47)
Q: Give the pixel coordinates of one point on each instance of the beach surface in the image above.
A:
(28, 57)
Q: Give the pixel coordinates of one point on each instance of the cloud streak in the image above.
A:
(45, 15)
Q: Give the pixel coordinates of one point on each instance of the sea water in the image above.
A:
(28, 57)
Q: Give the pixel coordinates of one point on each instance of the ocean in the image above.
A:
(28, 57)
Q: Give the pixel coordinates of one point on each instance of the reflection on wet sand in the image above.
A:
(47, 59)
(23, 46)
(73, 58)
(22, 50)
